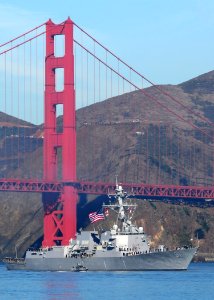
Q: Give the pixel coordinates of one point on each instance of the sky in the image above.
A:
(167, 41)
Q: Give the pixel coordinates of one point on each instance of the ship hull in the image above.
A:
(168, 260)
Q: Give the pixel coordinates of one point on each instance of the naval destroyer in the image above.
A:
(125, 247)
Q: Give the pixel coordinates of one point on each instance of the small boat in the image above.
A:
(79, 268)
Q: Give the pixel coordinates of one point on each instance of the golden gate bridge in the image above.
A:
(54, 69)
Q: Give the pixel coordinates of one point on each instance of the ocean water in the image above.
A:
(196, 283)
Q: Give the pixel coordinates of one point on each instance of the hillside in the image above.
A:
(109, 143)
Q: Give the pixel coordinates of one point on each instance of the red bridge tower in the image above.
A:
(60, 209)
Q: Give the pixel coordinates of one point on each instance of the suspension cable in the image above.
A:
(142, 90)
(143, 77)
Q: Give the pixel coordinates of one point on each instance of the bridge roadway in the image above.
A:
(101, 188)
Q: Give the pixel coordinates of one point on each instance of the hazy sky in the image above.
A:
(168, 41)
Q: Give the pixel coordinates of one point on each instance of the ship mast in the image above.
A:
(120, 207)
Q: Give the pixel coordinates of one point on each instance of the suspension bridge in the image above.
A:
(51, 71)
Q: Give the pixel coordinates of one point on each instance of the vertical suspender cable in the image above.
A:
(99, 83)
(181, 155)
(159, 151)
(87, 78)
(86, 129)
(87, 141)
(82, 78)
(192, 171)
(24, 108)
(177, 159)
(106, 74)
(11, 108)
(30, 110)
(126, 168)
(194, 159)
(5, 105)
(94, 75)
(204, 160)
(165, 154)
(36, 100)
(111, 85)
(170, 152)
(18, 133)
(147, 154)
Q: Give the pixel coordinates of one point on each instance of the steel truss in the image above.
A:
(101, 188)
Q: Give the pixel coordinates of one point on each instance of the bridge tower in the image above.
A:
(60, 209)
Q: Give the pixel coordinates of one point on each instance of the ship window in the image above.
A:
(33, 253)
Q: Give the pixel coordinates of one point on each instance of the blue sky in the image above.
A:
(167, 41)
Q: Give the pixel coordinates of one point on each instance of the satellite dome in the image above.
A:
(140, 229)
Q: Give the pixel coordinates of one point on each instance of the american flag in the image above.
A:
(96, 216)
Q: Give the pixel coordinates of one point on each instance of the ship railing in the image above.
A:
(13, 260)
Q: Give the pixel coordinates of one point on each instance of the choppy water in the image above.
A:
(196, 283)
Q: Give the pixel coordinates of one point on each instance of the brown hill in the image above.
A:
(201, 93)
(112, 139)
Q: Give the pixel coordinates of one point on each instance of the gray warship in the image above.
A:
(125, 247)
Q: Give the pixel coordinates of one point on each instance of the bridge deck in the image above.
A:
(101, 188)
